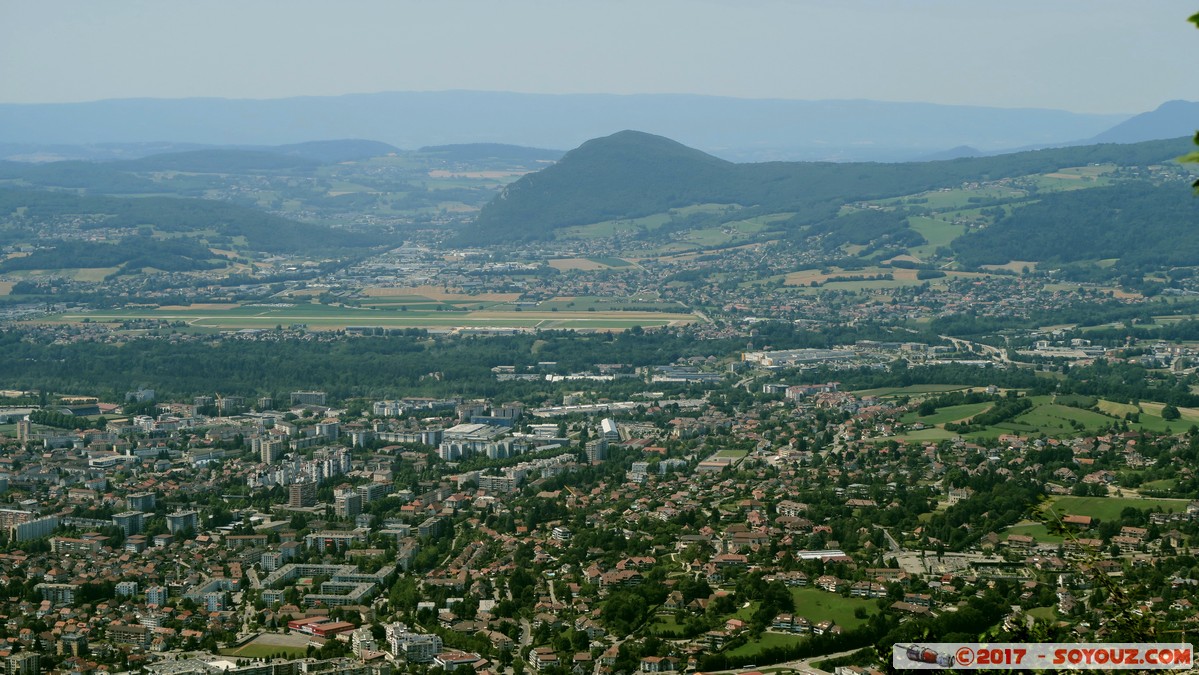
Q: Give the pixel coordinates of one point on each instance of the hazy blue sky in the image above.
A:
(1085, 56)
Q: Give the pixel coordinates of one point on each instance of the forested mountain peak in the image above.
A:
(627, 172)
(630, 145)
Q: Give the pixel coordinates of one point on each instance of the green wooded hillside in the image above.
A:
(1139, 223)
(632, 174)
(215, 222)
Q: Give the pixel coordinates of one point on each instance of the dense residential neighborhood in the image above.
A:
(668, 535)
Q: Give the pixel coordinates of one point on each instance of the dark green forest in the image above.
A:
(92, 176)
(1143, 225)
(378, 366)
(131, 254)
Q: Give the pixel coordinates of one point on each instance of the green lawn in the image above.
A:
(1109, 508)
(816, 605)
(1043, 613)
(767, 641)
(1164, 484)
(746, 611)
(932, 434)
(951, 413)
(663, 624)
(1037, 530)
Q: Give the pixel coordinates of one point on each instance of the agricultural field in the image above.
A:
(1013, 266)
(582, 264)
(953, 413)
(433, 294)
(1054, 418)
(1150, 418)
(589, 303)
(836, 278)
(936, 232)
(609, 261)
(1050, 416)
(727, 233)
(93, 274)
(611, 228)
(952, 199)
(266, 316)
(913, 390)
(1074, 178)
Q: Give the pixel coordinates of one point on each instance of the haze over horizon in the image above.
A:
(1099, 57)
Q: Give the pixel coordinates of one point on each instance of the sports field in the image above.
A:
(268, 645)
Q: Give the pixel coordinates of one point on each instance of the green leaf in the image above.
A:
(1195, 20)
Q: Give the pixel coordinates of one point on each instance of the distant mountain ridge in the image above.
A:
(739, 129)
(1170, 120)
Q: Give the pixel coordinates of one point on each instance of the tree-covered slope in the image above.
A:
(1137, 222)
(91, 176)
(633, 174)
(215, 222)
(131, 254)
